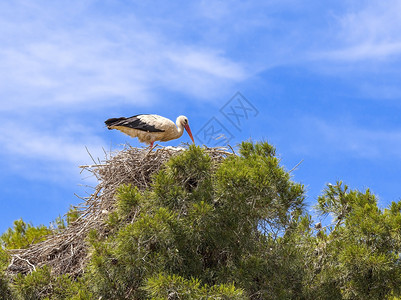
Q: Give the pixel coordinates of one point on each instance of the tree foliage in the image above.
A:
(361, 254)
(236, 229)
(22, 235)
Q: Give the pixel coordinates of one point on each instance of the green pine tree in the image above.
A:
(201, 225)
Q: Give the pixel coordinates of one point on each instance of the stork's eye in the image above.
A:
(185, 121)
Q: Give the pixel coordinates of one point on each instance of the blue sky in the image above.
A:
(325, 79)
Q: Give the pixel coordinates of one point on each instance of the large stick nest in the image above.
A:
(66, 251)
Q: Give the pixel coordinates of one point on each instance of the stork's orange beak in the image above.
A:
(189, 132)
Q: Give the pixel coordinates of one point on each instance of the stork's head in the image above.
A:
(183, 121)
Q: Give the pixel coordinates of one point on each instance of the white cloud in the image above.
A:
(366, 32)
(49, 147)
(101, 59)
(345, 137)
(207, 62)
(365, 51)
(49, 154)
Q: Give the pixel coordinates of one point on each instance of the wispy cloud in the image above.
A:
(50, 146)
(366, 32)
(350, 139)
(102, 59)
(47, 154)
(366, 51)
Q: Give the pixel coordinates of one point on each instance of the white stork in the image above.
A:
(151, 128)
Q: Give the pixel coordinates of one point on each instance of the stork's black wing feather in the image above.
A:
(132, 122)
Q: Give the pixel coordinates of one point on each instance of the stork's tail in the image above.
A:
(113, 122)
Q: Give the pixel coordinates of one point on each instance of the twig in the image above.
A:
(296, 166)
(232, 149)
(27, 261)
(92, 166)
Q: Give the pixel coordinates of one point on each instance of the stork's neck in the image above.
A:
(180, 129)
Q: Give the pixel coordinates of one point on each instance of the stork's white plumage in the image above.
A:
(151, 128)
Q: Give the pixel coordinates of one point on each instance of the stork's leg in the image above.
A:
(151, 145)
